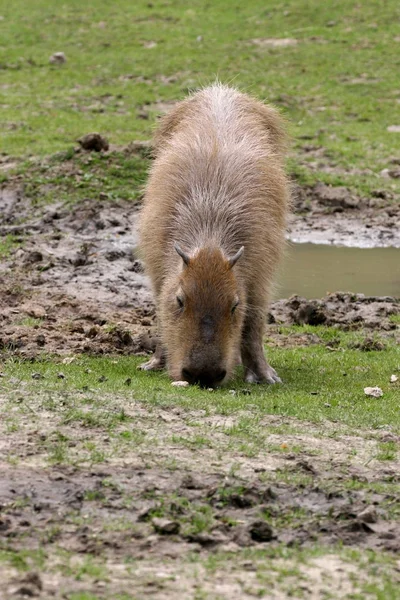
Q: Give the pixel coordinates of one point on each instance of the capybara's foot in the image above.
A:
(157, 361)
(154, 364)
(261, 374)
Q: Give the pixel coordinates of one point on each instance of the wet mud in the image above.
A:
(76, 283)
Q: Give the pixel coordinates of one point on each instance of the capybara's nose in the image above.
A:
(205, 378)
(189, 375)
(220, 375)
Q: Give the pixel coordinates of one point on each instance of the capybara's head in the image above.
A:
(201, 313)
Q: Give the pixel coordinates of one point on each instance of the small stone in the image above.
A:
(60, 376)
(393, 378)
(192, 483)
(208, 539)
(375, 392)
(241, 536)
(260, 531)
(94, 141)
(68, 360)
(394, 128)
(37, 376)
(180, 383)
(128, 381)
(368, 515)
(58, 58)
(102, 379)
(165, 526)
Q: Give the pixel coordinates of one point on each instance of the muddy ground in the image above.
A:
(76, 286)
(335, 215)
(147, 524)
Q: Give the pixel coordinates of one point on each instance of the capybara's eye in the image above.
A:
(179, 300)
(234, 307)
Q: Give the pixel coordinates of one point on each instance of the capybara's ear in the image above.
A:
(185, 257)
(232, 260)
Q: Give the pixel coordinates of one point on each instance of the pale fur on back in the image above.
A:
(217, 180)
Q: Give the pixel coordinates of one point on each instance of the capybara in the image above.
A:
(212, 232)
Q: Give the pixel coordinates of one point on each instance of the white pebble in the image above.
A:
(180, 383)
(375, 392)
(58, 58)
(393, 378)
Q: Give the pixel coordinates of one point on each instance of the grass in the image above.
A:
(123, 58)
(7, 244)
(78, 177)
(320, 384)
(369, 571)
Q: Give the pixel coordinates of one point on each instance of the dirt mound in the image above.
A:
(345, 310)
(335, 215)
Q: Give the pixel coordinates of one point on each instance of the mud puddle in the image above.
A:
(313, 270)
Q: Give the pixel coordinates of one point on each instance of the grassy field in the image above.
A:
(321, 382)
(331, 68)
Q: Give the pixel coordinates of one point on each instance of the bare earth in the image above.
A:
(139, 515)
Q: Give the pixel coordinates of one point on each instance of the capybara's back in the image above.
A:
(212, 232)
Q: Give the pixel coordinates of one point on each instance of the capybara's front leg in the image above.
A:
(256, 368)
(157, 361)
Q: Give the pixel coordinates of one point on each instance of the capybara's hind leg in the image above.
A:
(256, 368)
(157, 361)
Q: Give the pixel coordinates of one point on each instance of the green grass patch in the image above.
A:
(24, 560)
(336, 81)
(319, 384)
(8, 243)
(117, 176)
(370, 572)
(387, 451)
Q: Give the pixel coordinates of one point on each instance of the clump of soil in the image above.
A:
(94, 141)
(335, 215)
(344, 310)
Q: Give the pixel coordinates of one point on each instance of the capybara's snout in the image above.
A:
(206, 377)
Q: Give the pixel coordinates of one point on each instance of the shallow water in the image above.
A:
(313, 270)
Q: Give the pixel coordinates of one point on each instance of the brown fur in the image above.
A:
(217, 184)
